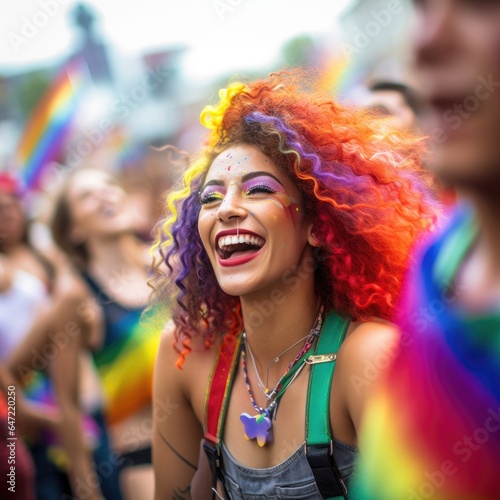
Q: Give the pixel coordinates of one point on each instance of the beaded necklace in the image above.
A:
(260, 426)
(265, 387)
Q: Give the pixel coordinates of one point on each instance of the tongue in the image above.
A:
(240, 249)
(239, 253)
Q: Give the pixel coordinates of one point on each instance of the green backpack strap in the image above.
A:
(319, 444)
(453, 251)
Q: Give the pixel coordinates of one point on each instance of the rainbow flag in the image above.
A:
(432, 429)
(125, 364)
(334, 76)
(339, 74)
(49, 125)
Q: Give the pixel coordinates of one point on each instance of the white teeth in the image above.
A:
(226, 241)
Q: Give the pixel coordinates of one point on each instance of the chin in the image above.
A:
(241, 286)
(235, 288)
(463, 166)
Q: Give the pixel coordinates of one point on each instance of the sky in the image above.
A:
(222, 32)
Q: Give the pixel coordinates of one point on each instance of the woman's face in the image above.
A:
(12, 220)
(98, 206)
(251, 222)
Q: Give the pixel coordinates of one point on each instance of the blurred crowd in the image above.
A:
(73, 284)
(77, 355)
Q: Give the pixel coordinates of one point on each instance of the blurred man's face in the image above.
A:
(391, 103)
(457, 55)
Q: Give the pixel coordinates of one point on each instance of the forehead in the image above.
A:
(10, 201)
(237, 161)
(86, 179)
(7, 198)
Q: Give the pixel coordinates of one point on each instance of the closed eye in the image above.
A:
(260, 188)
(211, 197)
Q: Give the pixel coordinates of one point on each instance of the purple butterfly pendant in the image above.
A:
(258, 427)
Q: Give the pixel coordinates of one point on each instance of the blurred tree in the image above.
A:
(299, 51)
(3, 97)
(30, 90)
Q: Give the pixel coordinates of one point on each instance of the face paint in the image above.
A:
(212, 194)
(261, 187)
(257, 202)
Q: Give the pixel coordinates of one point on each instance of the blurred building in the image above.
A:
(375, 38)
(91, 48)
(133, 102)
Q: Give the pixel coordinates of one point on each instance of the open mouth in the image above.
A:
(233, 246)
(108, 209)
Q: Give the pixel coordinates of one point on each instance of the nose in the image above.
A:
(105, 192)
(231, 207)
(435, 34)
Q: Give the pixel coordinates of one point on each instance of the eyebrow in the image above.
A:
(244, 178)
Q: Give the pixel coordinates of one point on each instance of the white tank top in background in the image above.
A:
(18, 308)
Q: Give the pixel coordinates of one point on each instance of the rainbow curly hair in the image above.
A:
(361, 183)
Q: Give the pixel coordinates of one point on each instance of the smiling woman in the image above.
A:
(94, 224)
(250, 215)
(291, 233)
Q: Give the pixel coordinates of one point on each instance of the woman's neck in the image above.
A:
(277, 320)
(480, 274)
(117, 253)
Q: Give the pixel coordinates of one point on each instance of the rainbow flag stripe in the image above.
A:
(125, 365)
(337, 76)
(50, 123)
(432, 429)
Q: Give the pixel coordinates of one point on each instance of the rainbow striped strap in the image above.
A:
(219, 388)
(319, 444)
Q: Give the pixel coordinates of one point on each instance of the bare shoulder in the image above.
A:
(366, 340)
(177, 434)
(188, 373)
(368, 350)
(69, 287)
(171, 347)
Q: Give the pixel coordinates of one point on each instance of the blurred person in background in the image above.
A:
(401, 107)
(16, 465)
(93, 224)
(39, 299)
(146, 181)
(13, 416)
(397, 100)
(291, 229)
(433, 427)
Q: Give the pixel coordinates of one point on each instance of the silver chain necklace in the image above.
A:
(265, 387)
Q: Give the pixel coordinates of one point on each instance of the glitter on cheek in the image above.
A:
(285, 199)
(293, 212)
(276, 202)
